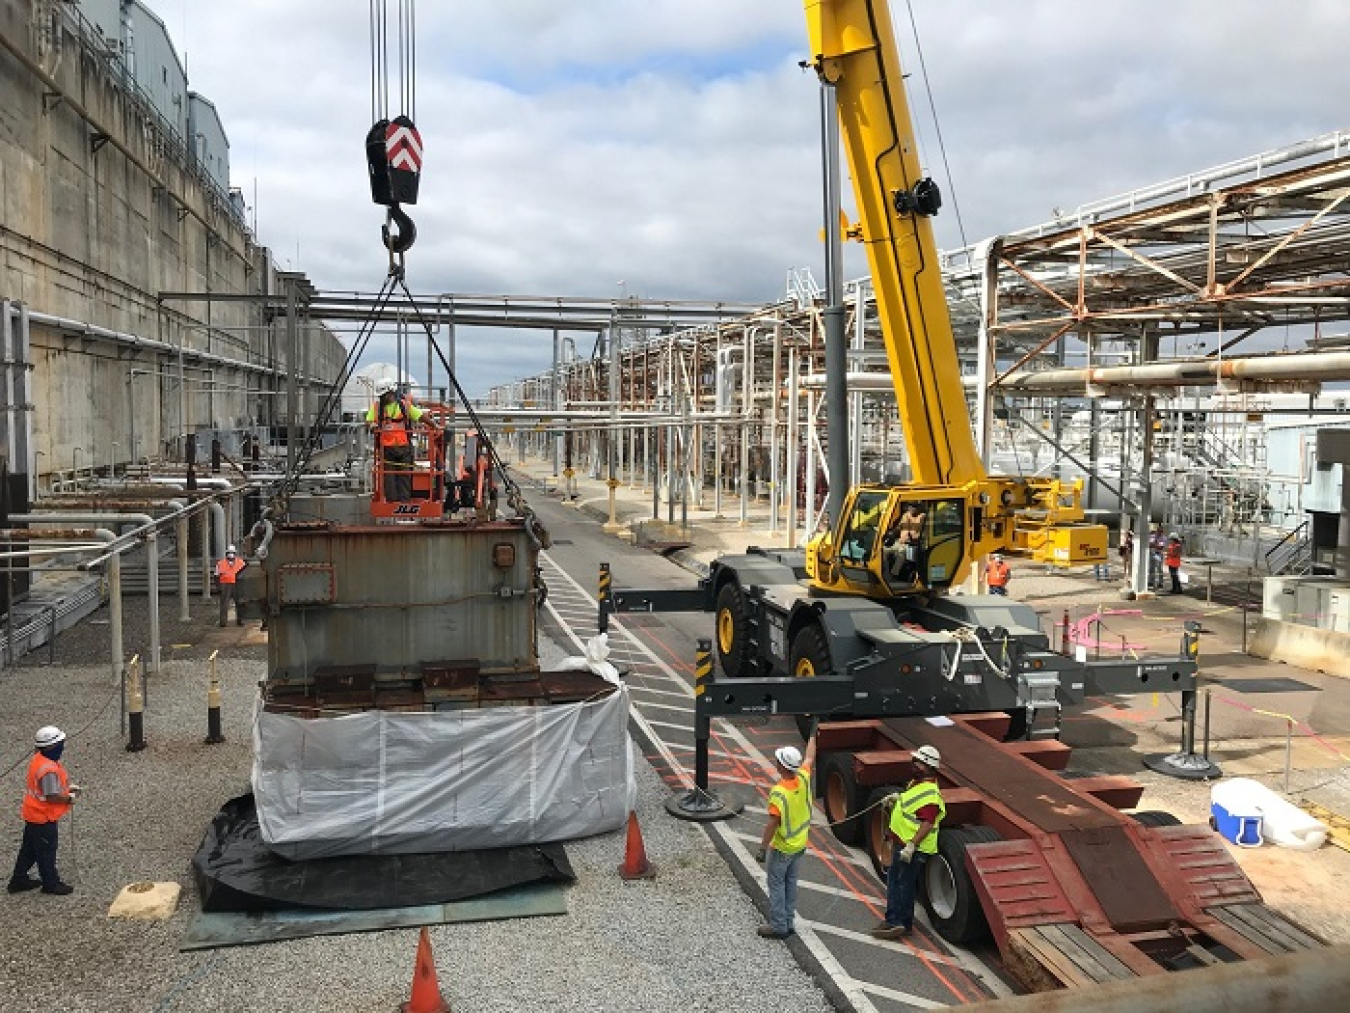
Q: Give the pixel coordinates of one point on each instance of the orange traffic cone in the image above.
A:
(426, 990)
(635, 864)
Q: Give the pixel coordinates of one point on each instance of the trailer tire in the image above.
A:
(1017, 726)
(839, 793)
(873, 824)
(948, 890)
(733, 640)
(1155, 818)
(809, 657)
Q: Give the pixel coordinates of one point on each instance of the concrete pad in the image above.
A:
(146, 901)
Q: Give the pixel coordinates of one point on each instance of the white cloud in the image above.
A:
(673, 143)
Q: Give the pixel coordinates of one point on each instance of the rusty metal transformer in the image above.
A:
(404, 708)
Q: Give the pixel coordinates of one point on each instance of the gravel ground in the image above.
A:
(682, 941)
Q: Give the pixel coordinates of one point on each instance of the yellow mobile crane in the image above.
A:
(966, 513)
(864, 606)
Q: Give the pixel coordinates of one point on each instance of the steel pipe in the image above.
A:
(1185, 373)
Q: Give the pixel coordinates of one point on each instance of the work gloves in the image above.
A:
(907, 853)
(761, 855)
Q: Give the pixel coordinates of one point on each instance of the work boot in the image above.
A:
(884, 931)
(767, 931)
(60, 889)
(22, 885)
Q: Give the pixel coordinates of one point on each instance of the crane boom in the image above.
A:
(853, 49)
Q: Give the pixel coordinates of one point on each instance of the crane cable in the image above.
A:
(393, 144)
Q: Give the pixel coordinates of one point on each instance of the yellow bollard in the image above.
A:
(213, 733)
(135, 706)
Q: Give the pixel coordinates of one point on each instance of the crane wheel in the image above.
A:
(1155, 818)
(810, 657)
(733, 640)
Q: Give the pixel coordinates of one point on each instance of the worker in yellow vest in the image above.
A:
(916, 814)
(391, 418)
(784, 839)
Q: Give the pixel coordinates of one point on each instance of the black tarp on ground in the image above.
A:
(235, 871)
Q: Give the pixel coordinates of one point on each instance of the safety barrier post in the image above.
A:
(699, 803)
(1187, 763)
(213, 733)
(135, 706)
(604, 598)
(1064, 640)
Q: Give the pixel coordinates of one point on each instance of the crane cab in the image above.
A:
(892, 541)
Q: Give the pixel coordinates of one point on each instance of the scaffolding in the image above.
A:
(1129, 342)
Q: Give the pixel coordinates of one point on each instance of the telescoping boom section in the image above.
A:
(853, 50)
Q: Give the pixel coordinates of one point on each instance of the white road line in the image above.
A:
(895, 995)
(849, 985)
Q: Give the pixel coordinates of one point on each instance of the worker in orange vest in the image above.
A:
(48, 795)
(997, 574)
(392, 417)
(1172, 559)
(227, 575)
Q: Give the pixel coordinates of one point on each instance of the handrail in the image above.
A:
(1295, 533)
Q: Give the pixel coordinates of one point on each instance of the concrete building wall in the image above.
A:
(99, 217)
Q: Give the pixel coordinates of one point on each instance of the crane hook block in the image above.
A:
(377, 163)
(403, 153)
(402, 240)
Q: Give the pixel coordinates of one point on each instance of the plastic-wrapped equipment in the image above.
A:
(388, 783)
(1282, 822)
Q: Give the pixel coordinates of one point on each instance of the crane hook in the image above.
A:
(399, 242)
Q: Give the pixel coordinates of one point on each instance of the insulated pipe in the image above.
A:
(181, 538)
(1317, 979)
(1187, 373)
(148, 529)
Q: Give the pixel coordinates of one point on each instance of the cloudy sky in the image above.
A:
(669, 148)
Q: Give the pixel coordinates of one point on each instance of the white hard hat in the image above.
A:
(230, 550)
(790, 757)
(1174, 537)
(384, 386)
(998, 557)
(928, 755)
(48, 736)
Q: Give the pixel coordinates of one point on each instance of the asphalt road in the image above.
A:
(840, 897)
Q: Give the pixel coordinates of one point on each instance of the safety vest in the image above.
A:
(1173, 554)
(794, 813)
(997, 574)
(394, 419)
(228, 571)
(35, 809)
(905, 815)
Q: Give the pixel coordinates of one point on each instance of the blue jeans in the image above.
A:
(782, 873)
(902, 885)
(37, 848)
